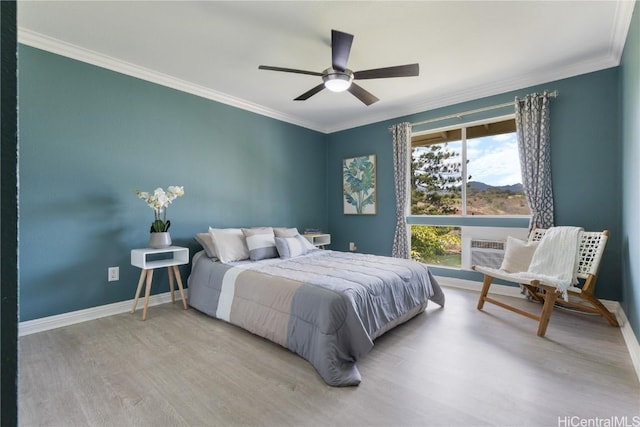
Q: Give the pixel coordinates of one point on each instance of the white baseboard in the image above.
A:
(614, 306)
(65, 319)
(630, 339)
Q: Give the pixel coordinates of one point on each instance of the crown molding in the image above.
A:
(622, 22)
(50, 44)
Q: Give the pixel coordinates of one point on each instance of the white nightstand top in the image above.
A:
(180, 256)
(318, 239)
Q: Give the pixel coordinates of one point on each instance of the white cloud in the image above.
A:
(494, 160)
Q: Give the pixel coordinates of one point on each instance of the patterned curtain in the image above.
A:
(532, 126)
(401, 151)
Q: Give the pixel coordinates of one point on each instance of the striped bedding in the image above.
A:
(326, 306)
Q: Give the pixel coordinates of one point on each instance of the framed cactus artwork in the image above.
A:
(359, 185)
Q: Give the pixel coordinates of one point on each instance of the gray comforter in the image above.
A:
(326, 306)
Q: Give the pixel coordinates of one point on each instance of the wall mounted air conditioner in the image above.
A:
(485, 245)
(488, 253)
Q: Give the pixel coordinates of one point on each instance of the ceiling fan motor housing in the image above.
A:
(337, 81)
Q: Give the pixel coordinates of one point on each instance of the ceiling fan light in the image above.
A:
(337, 82)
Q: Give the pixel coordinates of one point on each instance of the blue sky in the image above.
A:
(494, 160)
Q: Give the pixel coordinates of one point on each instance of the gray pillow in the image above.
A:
(260, 242)
(285, 232)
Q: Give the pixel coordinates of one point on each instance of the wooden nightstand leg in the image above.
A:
(146, 293)
(179, 280)
(171, 274)
(143, 273)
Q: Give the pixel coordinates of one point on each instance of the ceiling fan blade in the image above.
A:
(410, 70)
(308, 94)
(288, 70)
(366, 97)
(340, 49)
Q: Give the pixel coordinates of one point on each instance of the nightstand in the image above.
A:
(149, 259)
(318, 239)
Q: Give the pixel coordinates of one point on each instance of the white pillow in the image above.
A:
(517, 255)
(306, 243)
(230, 244)
(290, 247)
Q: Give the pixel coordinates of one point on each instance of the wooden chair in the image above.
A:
(591, 248)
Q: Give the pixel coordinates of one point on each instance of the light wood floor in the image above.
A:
(447, 367)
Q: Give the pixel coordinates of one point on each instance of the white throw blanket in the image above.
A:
(555, 261)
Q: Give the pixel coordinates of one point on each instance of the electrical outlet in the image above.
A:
(114, 274)
(352, 247)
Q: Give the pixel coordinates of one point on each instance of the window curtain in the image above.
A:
(532, 127)
(401, 157)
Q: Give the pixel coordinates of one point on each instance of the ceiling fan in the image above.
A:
(339, 78)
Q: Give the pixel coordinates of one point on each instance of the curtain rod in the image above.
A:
(553, 94)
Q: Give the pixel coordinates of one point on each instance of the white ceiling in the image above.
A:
(466, 49)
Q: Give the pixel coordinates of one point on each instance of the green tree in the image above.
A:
(435, 183)
(429, 242)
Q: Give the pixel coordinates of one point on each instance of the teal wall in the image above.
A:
(89, 137)
(586, 164)
(630, 89)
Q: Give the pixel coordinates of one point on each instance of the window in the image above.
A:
(470, 170)
(473, 169)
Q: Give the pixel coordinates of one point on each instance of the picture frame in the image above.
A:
(359, 185)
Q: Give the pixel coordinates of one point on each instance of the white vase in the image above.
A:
(160, 240)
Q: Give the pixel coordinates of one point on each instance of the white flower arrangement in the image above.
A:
(159, 201)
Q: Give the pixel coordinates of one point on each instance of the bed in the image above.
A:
(326, 306)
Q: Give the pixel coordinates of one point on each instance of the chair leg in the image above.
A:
(549, 300)
(534, 293)
(604, 311)
(485, 290)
